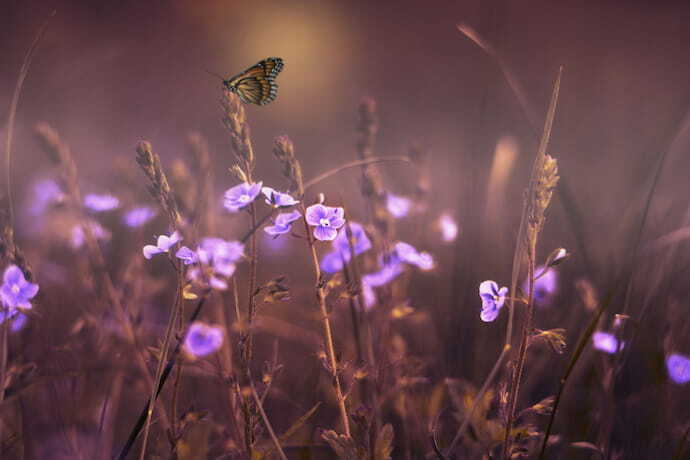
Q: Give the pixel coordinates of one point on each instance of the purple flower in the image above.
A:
(99, 233)
(203, 339)
(282, 223)
(278, 199)
(493, 300)
(139, 216)
(333, 261)
(215, 259)
(18, 320)
(16, 291)
(678, 367)
(241, 195)
(449, 228)
(187, 256)
(545, 285)
(45, 193)
(100, 203)
(405, 252)
(326, 219)
(398, 206)
(605, 342)
(385, 275)
(221, 254)
(163, 244)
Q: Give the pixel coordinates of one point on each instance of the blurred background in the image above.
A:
(108, 74)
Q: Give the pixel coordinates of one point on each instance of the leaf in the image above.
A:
(384, 443)
(343, 446)
(194, 441)
(543, 407)
(296, 425)
(554, 338)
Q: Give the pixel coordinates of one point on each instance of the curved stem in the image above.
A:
(354, 164)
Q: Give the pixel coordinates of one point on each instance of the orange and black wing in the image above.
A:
(257, 84)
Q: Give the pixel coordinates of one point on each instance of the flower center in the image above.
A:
(244, 199)
(15, 289)
(324, 222)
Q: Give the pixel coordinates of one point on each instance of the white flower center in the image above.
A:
(15, 289)
(244, 199)
(324, 222)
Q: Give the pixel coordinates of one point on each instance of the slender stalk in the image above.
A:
(353, 164)
(169, 332)
(326, 324)
(526, 221)
(267, 423)
(144, 415)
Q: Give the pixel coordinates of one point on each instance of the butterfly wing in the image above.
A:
(257, 84)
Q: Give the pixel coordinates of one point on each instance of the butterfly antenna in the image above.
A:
(214, 74)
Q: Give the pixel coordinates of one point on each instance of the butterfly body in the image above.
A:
(257, 84)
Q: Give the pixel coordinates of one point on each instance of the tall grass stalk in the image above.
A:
(520, 248)
(284, 151)
(151, 166)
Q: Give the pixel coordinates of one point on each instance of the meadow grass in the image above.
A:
(288, 323)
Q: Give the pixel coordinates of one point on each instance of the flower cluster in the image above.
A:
(213, 261)
(391, 267)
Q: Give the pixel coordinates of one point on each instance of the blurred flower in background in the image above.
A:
(333, 261)
(448, 228)
(398, 206)
(678, 367)
(101, 203)
(136, 217)
(407, 253)
(45, 193)
(99, 233)
(603, 341)
(545, 286)
(203, 339)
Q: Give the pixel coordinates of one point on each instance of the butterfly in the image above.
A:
(257, 84)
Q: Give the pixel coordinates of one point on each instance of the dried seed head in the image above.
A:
(284, 151)
(235, 119)
(159, 187)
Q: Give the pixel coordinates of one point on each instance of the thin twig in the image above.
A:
(353, 164)
(23, 72)
(269, 428)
